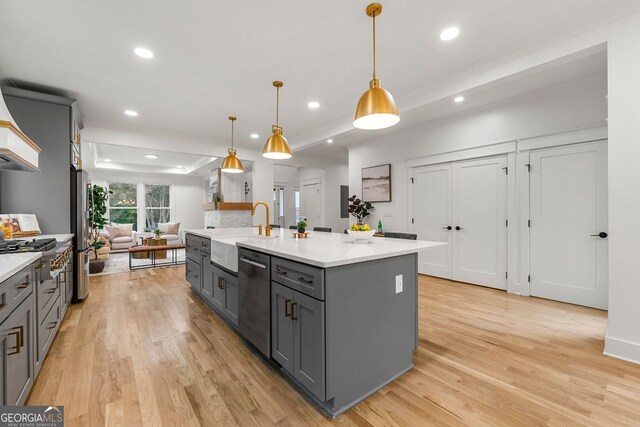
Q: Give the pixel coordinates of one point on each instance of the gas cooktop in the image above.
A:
(33, 245)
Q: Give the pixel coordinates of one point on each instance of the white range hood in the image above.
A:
(17, 151)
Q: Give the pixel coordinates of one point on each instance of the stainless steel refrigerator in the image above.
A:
(80, 227)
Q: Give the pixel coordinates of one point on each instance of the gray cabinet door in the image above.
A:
(207, 280)
(18, 352)
(308, 352)
(282, 326)
(230, 284)
(218, 297)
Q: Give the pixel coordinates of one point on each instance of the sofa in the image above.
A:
(121, 236)
(171, 232)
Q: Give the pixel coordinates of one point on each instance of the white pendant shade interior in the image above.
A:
(231, 163)
(376, 109)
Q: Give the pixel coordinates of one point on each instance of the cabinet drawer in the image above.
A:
(301, 277)
(47, 330)
(193, 244)
(205, 247)
(193, 272)
(48, 293)
(14, 290)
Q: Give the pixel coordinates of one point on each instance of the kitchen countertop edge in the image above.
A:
(10, 264)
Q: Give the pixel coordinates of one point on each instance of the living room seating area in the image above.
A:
(122, 236)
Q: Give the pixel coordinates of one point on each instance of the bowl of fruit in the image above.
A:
(361, 233)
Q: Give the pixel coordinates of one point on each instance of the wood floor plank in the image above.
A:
(142, 350)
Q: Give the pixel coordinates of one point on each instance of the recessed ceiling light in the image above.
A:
(254, 136)
(143, 52)
(449, 33)
(458, 99)
(131, 113)
(151, 156)
(107, 160)
(179, 166)
(330, 141)
(313, 105)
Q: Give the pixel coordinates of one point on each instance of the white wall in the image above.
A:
(623, 335)
(288, 177)
(188, 193)
(263, 189)
(336, 175)
(309, 176)
(573, 105)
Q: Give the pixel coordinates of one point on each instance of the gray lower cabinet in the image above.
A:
(18, 353)
(230, 284)
(282, 326)
(298, 337)
(224, 292)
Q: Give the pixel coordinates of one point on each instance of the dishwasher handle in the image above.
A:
(254, 263)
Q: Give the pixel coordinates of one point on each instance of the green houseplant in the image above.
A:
(157, 233)
(97, 220)
(359, 209)
(302, 226)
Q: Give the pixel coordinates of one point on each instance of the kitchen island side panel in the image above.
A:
(370, 328)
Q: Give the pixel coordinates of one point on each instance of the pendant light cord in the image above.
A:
(374, 46)
(277, 105)
(232, 146)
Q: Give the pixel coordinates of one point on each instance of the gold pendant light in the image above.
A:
(231, 163)
(277, 147)
(376, 108)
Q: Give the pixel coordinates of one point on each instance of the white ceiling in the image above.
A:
(216, 58)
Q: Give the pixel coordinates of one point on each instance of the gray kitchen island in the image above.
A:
(339, 318)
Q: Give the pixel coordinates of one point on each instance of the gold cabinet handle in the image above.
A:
(23, 286)
(287, 308)
(39, 266)
(52, 324)
(52, 290)
(2, 306)
(19, 340)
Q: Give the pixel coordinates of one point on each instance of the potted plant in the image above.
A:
(359, 232)
(302, 226)
(157, 233)
(97, 221)
(359, 209)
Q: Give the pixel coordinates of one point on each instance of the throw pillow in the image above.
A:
(169, 227)
(119, 230)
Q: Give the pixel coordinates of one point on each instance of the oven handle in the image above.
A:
(254, 263)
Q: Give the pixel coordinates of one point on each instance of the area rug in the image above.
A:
(118, 262)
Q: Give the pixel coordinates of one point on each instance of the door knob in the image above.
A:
(601, 235)
(447, 227)
(458, 228)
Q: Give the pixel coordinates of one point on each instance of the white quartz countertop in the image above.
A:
(10, 264)
(61, 238)
(334, 249)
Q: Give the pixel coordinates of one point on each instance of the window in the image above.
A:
(123, 204)
(157, 202)
(297, 206)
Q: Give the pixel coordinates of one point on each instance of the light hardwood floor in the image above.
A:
(141, 350)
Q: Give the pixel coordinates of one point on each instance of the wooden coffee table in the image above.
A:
(151, 241)
(152, 250)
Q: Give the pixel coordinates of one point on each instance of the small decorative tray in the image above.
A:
(300, 235)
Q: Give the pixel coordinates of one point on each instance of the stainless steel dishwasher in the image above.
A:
(254, 299)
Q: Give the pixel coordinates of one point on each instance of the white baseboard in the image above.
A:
(622, 349)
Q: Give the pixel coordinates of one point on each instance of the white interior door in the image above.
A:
(480, 215)
(311, 204)
(433, 217)
(569, 260)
